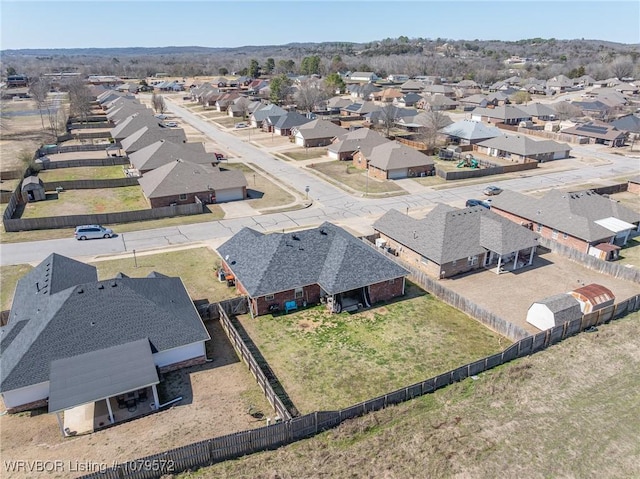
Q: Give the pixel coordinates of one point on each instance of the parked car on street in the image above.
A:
(85, 232)
(484, 203)
(161, 117)
(492, 190)
(170, 124)
(241, 124)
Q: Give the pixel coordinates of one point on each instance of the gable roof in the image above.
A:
(164, 151)
(572, 213)
(595, 130)
(182, 177)
(393, 155)
(471, 130)
(448, 234)
(327, 256)
(563, 306)
(523, 145)
(76, 314)
(504, 112)
(290, 119)
(146, 136)
(538, 110)
(266, 111)
(362, 138)
(628, 123)
(133, 123)
(319, 128)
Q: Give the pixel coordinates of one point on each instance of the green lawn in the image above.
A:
(329, 361)
(81, 173)
(630, 254)
(78, 202)
(263, 192)
(9, 276)
(305, 153)
(570, 411)
(342, 172)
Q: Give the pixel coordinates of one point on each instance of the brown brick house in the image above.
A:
(281, 271)
(393, 160)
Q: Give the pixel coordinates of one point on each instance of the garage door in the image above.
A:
(399, 173)
(333, 154)
(230, 194)
(299, 141)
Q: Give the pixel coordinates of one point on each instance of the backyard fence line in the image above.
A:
(55, 222)
(231, 446)
(91, 184)
(493, 170)
(69, 149)
(104, 123)
(14, 201)
(81, 162)
(250, 360)
(433, 286)
(11, 174)
(596, 264)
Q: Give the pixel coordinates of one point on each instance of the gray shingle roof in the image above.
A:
(629, 123)
(505, 112)
(538, 110)
(447, 234)
(318, 129)
(524, 146)
(327, 255)
(291, 119)
(145, 136)
(76, 314)
(563, 306)
(364, 138)
(182, 177)
(471, 130)
(392, 155)
(571, 213)
(266, 111)
(133, 123)
(164, 151)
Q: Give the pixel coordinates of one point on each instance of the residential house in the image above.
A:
(593, 108)
(499, 98)
(629, 124)
(362, 91)
(284, 271)
(261, 113)
(450, 241)
(437, 102)
(560, 83)
(627, 89)
(285, 123)
(445, 90)
(523, 149)
(585, 80)
(584, 221)
(598, 133)
(507, 114)
(362, 77)
(317, 133)
(145, 136)
(359, 109)
(407, 100)
(225, 100)
(469, 132)
(335, 104)
(392, 160)
(474, 101)
(398, 78)
(539, 113)
(122, 330)
(119, 113)
(17, 81)
(388, 95)
(633, 185)
(414, 86)
(362, 139)
(134, 123)
(162, 152)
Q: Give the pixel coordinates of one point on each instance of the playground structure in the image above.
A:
(468, 162)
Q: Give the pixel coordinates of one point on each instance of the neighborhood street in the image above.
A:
(329, 202)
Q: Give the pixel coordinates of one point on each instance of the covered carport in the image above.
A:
(99, 376)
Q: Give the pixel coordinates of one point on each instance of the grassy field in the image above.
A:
(343, 172)
(630, 254)
(196, 267)
(9, 276)
(263, 192)
(82, 173)
(78, 202)
(20, 133)
(569, 411)
(329, 361)
(226, 121)
(301, 154)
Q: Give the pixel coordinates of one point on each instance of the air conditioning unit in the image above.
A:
(380, 242)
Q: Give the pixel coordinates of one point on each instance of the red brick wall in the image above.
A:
(191, 198)
(634, 188)
(546, 232)
(183, 364)
(310, 295)
(359, 161)
(386, 290)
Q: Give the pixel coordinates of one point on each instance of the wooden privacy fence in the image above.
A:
(91, 184)
(54, 222)
(106, 161)
(70, 148)
(492, 170)
(235, 445)
(249, 359)
(615, 270)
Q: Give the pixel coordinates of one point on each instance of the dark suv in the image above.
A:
(483, 203)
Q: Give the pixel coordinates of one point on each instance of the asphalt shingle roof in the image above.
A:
(471, 130)
(145, 136)
(572, 213)
(363, 138)
(163, 151)
(392, 155)
(327, 256)
(76, 314)
(319, 128)
(447, 234)
(523, 145)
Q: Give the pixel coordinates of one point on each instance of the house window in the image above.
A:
(472, 260)
(453, 263)
(298, 293)
(391, 281)
(554, 234)
(269, 297)
(565, 235)
(424, 260)
(538, 228)
(182, 197)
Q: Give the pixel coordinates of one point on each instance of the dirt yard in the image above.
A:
(216, 401)
(21, 132)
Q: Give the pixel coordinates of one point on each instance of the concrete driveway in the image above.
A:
(510, 294)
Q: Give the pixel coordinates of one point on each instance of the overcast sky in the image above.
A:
(157, 23)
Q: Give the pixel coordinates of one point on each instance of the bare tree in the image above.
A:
(243, 106)
(431, 122)
(79, 100)
(565, 110)
(309, 96)
(158, 104)
(39, 91)
(520, 97)
(56, 115)
(621, 67)
(387, 117)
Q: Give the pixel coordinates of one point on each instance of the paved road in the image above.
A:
(330, 203)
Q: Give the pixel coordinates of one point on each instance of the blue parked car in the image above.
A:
(483, 203)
